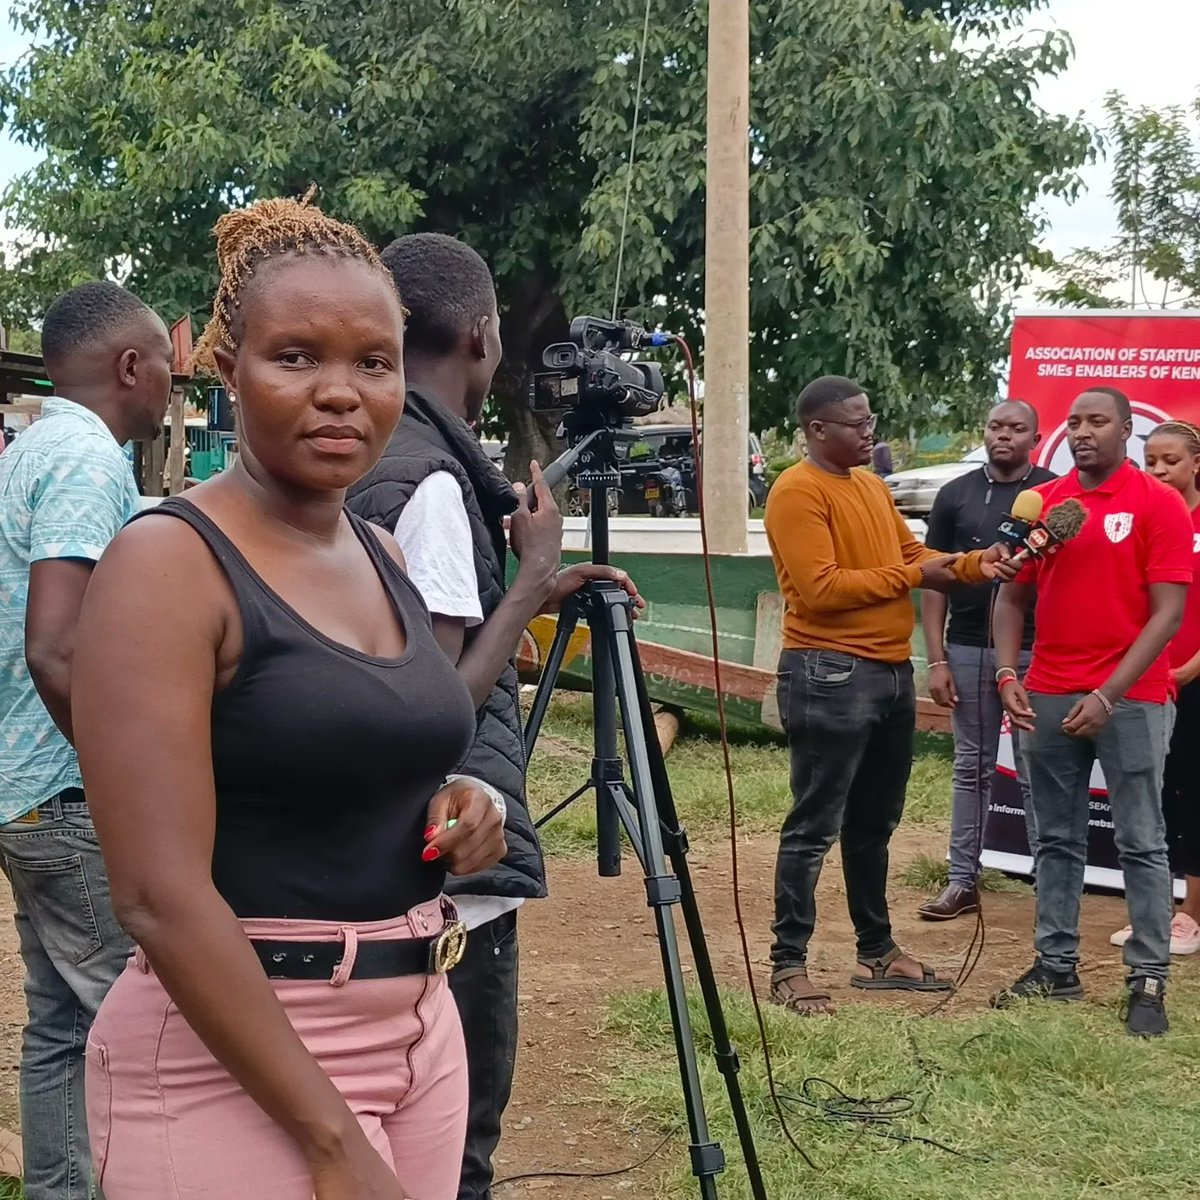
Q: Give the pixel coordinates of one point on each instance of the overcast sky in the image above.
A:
(1146, 48)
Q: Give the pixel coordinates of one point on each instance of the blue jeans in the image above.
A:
(1131, 749)
(976, 723)
(850, 725)
(73, 951)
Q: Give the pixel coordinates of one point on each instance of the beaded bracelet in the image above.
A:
(1108, 708)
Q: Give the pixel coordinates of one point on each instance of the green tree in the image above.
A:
(1155, 257)
(896, 164)
(22, 341)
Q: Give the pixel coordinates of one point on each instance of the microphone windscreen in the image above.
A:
(1065, 520)
(1027, 506)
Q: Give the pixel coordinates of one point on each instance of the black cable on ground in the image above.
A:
(637, 1166)
(877, 1117)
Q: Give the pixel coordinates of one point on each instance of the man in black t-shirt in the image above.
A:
(962, 669)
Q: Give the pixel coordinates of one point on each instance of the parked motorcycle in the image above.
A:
(664, 493)
(579, 502)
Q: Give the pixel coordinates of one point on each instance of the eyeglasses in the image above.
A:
(865, 426)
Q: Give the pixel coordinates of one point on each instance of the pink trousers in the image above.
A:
(167, 1122)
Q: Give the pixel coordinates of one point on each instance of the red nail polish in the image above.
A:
(430, 853)
(430, 831)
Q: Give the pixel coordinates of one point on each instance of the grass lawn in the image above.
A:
(563, 755)
(1045, 1103)
(1050, 1102)
(929, 874)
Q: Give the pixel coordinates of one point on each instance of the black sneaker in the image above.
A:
(1145, 1012)
(1040, 983)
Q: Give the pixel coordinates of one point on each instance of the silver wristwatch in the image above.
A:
(492, 794)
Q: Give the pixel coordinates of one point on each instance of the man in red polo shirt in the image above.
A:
(1098, 687)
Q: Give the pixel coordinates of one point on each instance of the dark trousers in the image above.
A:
(73, 949)
(976, 721)
(484, 985)
(1181, 784)
(850, 724)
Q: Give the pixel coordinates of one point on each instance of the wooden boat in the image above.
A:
(674, 635)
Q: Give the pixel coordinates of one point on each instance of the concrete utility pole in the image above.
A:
(727, 278)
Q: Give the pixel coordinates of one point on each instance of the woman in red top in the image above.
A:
(1173, 456)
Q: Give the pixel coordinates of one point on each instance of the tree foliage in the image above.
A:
(1155, 257)
(897, 161)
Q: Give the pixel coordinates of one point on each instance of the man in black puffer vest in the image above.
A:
(446, 503)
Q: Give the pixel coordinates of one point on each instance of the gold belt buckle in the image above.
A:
(448, 948)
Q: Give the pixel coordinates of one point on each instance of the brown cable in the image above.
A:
(728, 766)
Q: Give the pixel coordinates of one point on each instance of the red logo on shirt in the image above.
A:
(1118, 526)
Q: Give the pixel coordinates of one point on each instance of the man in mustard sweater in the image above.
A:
(847, 563)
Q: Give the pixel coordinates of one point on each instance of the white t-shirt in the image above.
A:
(434, 534)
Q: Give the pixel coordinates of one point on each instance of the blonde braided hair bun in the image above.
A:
(270, 229)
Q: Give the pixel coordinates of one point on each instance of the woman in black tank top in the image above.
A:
(266, 726)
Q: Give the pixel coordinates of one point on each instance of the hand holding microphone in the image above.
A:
(1035, 537)
(1025, 531)
(998, 563)
(1016, 527)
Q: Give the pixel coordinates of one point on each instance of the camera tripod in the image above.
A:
(646, 812)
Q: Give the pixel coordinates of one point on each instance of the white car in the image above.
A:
(914, 491)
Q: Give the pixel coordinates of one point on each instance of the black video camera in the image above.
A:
(588, 374)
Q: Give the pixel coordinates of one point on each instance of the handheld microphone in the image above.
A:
(1063, 522)
(1016, 527)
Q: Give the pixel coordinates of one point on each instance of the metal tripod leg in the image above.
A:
(606, 773)
(567, 620)
(676, 846)
(648, 816)
(663, 889)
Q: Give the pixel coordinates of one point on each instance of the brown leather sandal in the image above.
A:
(880, 981)
(807, 1001)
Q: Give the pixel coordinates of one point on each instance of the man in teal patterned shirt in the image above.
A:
(65, 491)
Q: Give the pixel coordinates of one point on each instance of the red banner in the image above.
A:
(1154, 358)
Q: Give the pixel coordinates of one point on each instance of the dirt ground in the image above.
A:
(595, 937)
